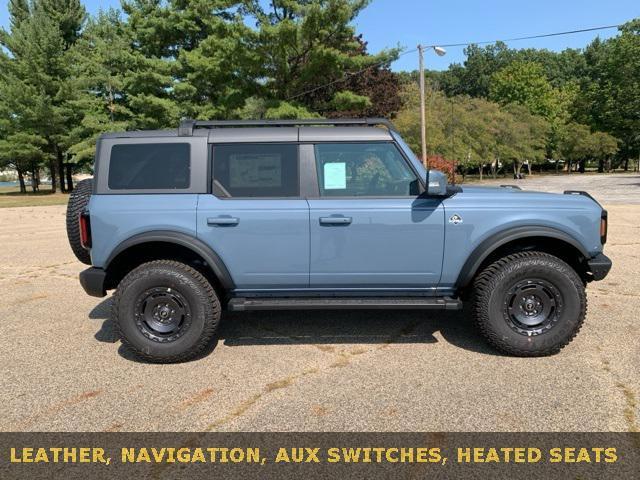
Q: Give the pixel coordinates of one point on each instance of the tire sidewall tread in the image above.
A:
(78, 201)
(203, 302)
(490, 287)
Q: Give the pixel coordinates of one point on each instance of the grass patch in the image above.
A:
(11, 197)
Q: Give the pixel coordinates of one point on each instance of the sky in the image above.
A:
(406, 23)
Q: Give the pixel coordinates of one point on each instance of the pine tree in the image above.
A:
(201, 48)
(102, 64)
(29, 83)
(303, 45)
(69, 17)
(34, 79)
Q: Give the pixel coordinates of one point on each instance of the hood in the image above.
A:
(513, 196)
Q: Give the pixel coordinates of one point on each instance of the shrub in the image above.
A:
(438, 162)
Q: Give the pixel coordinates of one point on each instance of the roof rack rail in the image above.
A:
(188, 126)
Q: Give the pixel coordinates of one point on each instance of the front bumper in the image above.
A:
(599, 266)
(93, 280)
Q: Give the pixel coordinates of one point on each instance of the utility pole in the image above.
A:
(423, 108)
(423, 111)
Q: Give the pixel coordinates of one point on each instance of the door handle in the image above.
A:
(335, 220)
(223, 221)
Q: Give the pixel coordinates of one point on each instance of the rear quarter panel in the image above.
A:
(115, 218)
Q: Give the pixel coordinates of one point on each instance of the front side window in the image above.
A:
(363, 169)
(253, 170)
(150, 166)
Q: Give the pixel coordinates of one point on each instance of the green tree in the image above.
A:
(302, 45)
(602, 148)
(34, 79)
(30, 80)
(68, 15)
(523, 83)
(473, 78)
(611, 96)
(103, 66)
(375, 92)
(473, 132)
(574, 146)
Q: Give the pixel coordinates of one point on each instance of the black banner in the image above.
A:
(319, 455)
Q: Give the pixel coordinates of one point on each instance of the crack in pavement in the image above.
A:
(606, 292)
(58, 407)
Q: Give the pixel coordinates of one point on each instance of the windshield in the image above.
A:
(409, 153)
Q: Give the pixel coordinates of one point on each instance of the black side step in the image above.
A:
(240, 304)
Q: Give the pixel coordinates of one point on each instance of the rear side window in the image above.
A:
(150, 166)
(252, 170)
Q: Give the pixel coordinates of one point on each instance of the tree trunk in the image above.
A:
(38, 182)
(52, 170)
(529, 167)
(34, 181)
(517, 169)
(557, 166)
(481, 168)
(600, 166)
(60, 158)
(626, 164)
(23, 187)
(69, 177)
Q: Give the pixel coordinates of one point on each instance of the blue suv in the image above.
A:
(321, 214)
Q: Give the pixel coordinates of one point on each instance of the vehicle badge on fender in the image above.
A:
(455, 219)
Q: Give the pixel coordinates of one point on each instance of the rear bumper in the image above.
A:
(92, 280)
(599, 266)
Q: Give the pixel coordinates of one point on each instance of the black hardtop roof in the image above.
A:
(220, 131)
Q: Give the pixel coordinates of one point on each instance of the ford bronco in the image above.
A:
(321, 214)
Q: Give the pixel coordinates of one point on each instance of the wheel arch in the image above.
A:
(547, 239)
(163, 244)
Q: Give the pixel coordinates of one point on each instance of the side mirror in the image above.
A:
(436, 183)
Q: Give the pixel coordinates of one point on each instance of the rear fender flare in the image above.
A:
(192, 243)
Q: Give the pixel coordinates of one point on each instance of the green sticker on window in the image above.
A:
(335, 176)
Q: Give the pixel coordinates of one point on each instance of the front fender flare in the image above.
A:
(495, 241)
(188, 241)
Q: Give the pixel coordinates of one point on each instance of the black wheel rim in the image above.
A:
(162, 314)
(533, 306)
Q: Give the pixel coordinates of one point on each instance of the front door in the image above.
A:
(370, 228)
(255, 219)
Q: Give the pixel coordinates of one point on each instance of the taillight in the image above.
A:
(85, 230)
(604, 225)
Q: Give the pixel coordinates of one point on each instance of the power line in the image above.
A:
(530, 37)
(349, 75)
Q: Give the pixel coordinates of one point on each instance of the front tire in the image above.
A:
(529, 304)
(166, 312)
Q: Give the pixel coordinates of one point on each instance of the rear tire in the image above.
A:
(166, 312)
(529, 304)
(78, 201)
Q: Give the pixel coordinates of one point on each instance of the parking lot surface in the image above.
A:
(611, 189)
(63, 369)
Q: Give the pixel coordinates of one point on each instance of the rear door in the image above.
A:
(255, 219)
(370, 227)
